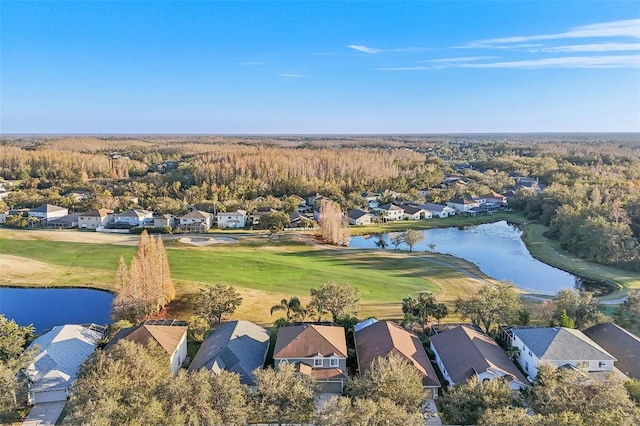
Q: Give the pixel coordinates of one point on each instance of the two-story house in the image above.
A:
(559, 346)
(195, 221)
(463, 204)
(132, 218)
(94, 219)
(319, 351)
(237, 219)
(48, 212)
(390, 212)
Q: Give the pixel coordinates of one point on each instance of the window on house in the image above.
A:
(317, 362)
(602, 364)
(333, 362)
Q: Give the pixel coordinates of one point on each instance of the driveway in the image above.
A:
(46, 413)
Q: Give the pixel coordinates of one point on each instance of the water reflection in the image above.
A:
(497, 250)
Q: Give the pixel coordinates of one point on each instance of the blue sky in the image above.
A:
(308, 67)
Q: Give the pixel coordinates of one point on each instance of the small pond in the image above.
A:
(48, 307)
(497, 250)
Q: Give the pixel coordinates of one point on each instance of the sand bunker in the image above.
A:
(206, 241)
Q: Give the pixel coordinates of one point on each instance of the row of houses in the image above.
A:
(464, 351)
(461, 351)
(51, 216)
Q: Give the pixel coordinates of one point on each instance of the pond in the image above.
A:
(48, 307)
(496, 249)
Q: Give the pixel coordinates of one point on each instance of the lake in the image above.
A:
(48, 307)
(496, 249)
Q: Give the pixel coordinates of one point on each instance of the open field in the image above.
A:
(549, 251)
(264, 271)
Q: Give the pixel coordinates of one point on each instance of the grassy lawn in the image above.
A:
(549, 251)
(264, 272)
(447, 222)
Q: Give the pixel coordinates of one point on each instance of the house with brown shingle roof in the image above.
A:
(196, 221)
(620, 343)
(94, 218)
(319, 351)
(385, 338)
(463, 352)
(170, 335)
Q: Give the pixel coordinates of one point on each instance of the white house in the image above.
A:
(60, 353)
(170, 335)
(463, 352)
(196, 221)
(463, 204)
(237, 219)
(359, 217)
(416, 213)
(94, 219)
(133, 217)
(391, 212)
(558, 346)
(48, 212)
(438, 210)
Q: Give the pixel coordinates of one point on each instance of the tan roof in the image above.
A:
(197, 214)
(384, 338)
(98, 213)
(465, 351)
(493, 194)
(168, 337)
(320, 373)
(304, 341)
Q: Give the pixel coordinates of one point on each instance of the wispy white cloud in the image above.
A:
(624, 28)
(374, 50)
(458, 59)
(291, 75)
(619, 61)
(597, 47)
(364, 49)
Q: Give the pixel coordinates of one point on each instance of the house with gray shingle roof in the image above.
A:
(237, 346)
(47, 212)
(620, 343)
(359, 217)
(463, 352)
(559, 346)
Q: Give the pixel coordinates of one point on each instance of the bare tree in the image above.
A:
(334, 224)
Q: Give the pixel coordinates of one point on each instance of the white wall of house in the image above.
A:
(462, 207)
(92, 222)
(391, 215)
(231, 220)
(48, 216)
(179, 355)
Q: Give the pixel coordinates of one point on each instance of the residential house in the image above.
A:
(236, 219)
(94, 219)
(195, 221)
(170, 335)
(61, 351)
(463, 352)
(162, 220)
(299, 220)
(621, 344)
(64, 222)
(315, 200)
(371, 199)
(423, 192)
(438, 210)
(360, 217)
(390, 212)
(384, 338)
(302, 203)
(416, 213)
(47, 212)
(255, 217)
(236, 346)
(319, 351)
(130, 219)
(454, 179)
(559, 346)
(496, 198)
(463, 204)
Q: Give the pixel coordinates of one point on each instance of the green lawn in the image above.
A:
(264, 272)
(549, 251)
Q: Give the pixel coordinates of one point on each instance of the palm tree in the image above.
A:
(293, 308)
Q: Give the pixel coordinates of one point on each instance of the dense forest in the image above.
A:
(590, 201)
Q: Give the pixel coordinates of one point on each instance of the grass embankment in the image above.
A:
(550, 252)
(446, 222)
(264, 271)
